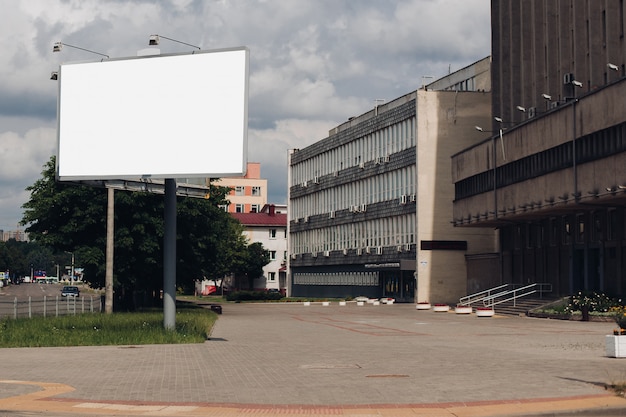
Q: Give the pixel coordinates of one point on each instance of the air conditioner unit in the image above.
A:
(331, 215)
(359, 251)
(363, 208)
(399, 248)
(305, 184)
(379, 250)
(314, 254)
(568, 78)
(306, 219)
(327, 253)
(378, 161)
(345, 252)
(412, 198)
(368, 250)
(403, 199)
(294, 256)
(336, 173)
(386, 158)
(407, 247)
(532, 112)
(362, 165)
(554, 104)
(316, 180)
(296, 220)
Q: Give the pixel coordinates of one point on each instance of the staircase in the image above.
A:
(511, 299)
(521, 306)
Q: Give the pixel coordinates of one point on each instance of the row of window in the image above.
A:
(378, 144)
(241, 190)
(274, 253)
(391, 185)
(582, 228)
(369, 279)
(273, 233)
(594, 146)
(388, 231)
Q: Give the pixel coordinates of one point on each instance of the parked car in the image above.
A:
(70, 291)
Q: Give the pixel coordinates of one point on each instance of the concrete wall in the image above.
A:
(445, 123)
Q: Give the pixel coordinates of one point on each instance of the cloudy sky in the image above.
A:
(313, 64)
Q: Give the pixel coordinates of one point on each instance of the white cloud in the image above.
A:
(313, 64)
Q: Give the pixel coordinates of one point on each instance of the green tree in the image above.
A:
(72, 218)
(251, 263)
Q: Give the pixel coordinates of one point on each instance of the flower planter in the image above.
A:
(441, 307)
(485, 312)
(342, 303)
(616, 346)
(463, 310)
(422, 306)
(307, 303)
(325, 303)
(360, 303)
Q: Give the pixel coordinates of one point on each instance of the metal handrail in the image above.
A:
(476, 297)
(490, 298)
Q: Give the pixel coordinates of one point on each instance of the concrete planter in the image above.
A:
(485, 312)
(616, 346)
(422, 306)
(442, 308)
(463, 310)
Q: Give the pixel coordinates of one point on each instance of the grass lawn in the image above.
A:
(193, 325)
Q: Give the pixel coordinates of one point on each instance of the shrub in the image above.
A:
(590, 301)
(254, 296)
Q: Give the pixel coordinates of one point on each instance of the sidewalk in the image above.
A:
(290, 359)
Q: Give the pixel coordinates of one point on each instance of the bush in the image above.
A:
(590, 301)
(254, 296)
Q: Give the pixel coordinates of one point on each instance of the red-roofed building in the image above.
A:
(268, 227)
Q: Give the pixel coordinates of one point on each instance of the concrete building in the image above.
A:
(553, 182)
(268, 227)
(370, 204)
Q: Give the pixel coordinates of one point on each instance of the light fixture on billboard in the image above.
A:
(59, 45)
(612, 66)
(155, 40)
(54, 75)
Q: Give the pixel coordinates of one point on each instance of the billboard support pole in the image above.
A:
(169, 256)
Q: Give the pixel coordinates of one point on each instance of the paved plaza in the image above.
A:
(291, 359)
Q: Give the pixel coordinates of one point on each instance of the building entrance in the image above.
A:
(399, 285)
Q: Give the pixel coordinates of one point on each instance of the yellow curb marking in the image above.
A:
(50, 389)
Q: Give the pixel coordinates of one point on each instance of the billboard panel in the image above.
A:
(160, 116)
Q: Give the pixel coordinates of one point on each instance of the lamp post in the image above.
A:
(71, 267)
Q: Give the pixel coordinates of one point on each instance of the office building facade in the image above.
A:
(553, 183)
(369, 205)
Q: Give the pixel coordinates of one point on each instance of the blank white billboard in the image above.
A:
(159, 116)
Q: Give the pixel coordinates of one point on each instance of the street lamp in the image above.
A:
(72, 266)
(155, 40)
(59, 45)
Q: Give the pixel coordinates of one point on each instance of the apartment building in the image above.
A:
(249, 193)
(268, 227)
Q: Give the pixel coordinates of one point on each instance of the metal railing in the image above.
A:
(49, 306)
(504, 293)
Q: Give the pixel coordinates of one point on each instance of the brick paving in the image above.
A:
(290, 359)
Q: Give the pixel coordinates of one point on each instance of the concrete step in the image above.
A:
(521, 306)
